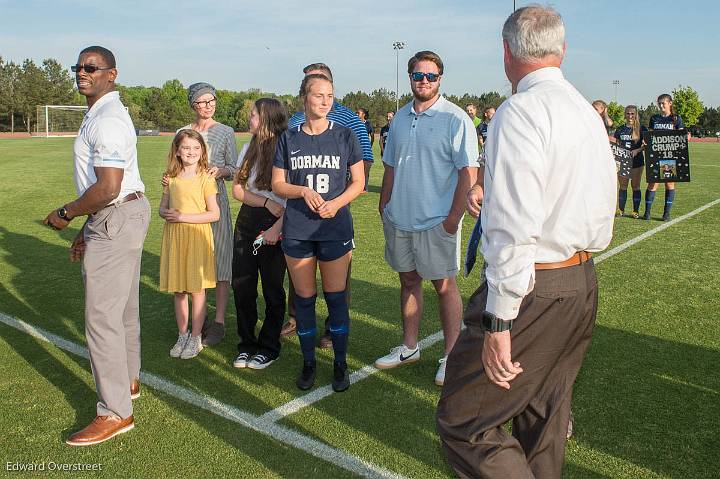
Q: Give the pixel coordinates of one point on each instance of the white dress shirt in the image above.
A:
(107, 139)
(550, 186)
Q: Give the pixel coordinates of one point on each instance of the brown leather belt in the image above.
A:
(135, 195)
(578, 258)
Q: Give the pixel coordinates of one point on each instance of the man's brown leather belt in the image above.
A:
(135, 195)
(574, 260)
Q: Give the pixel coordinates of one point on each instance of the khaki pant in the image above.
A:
(549, 338)
(114, 239)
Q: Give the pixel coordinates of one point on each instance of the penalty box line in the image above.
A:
(280, 433)
(299, 403)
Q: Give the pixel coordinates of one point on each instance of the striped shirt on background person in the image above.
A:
(344, 116)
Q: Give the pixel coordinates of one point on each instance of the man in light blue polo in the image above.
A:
(430, 164)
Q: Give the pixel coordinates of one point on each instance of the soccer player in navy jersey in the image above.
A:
(310, 170)
(630, 136)
(344, 116)
(667, 119)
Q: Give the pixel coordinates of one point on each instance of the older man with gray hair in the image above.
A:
(548, 206)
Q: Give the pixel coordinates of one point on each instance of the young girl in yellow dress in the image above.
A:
(187, 263)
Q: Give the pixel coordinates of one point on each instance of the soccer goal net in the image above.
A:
(59, 120)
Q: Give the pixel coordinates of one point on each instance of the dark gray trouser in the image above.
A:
(549, 338)
(111, 271)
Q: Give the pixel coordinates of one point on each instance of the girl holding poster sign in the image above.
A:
(666, 120)
(630, 136)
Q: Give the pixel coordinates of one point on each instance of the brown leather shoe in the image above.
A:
(288, 328)
(326, 341)
(101, 429)
(135, 389)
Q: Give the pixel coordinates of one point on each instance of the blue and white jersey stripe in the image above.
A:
(344, 116)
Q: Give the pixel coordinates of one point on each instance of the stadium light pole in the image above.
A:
(616, 83)
(397, 46)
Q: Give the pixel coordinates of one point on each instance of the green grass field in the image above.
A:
(646, 405)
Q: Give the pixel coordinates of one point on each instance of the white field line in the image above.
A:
(280, 433)
(291, 407)
(649, 233)
(265, 424)
(715, 166)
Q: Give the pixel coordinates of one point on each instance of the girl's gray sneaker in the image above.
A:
(192, 348)
(179, 346)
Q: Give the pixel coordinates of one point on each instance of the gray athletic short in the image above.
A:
(433, 253)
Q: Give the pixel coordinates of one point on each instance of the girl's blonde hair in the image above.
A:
(635, 124)
(174, 164)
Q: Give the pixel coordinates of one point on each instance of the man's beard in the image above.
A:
(425, 94)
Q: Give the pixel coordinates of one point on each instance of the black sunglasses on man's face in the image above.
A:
(88, 68)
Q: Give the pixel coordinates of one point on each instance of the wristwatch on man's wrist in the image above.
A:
(62, 213)
(493, 324)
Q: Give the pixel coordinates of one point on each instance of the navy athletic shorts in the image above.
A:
(323, 250)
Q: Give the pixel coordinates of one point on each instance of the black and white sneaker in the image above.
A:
(241, 361)
(307, 376)
(341, 378)
(259, 361)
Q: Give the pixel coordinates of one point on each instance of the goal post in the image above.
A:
(59, 120)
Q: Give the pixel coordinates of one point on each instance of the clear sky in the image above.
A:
(651, 47)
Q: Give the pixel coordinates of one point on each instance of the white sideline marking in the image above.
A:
(291, 407)
(649, 233)
(280, 433)
(266, 424)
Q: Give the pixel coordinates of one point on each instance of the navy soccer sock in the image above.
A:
(339, 323)
(649, 198)
(622, 199)
(637, 196)
(669, 198)
(306, 325)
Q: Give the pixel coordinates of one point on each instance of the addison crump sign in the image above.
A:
(667, 159)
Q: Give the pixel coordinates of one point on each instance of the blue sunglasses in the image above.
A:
(418, 76)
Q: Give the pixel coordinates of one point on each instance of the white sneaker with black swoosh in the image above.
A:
(399, 355)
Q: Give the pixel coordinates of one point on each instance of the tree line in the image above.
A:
(25, 86)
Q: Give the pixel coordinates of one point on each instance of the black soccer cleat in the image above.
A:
(307, 376)
(341, 378)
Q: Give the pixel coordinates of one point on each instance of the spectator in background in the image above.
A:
(482, 128)
(384, 132)
(602, 109)
(363, 114)
(471, 110)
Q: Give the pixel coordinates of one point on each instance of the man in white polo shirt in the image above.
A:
(431, 160)
(110, 243)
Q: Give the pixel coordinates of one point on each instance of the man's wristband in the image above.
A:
(493, 324)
